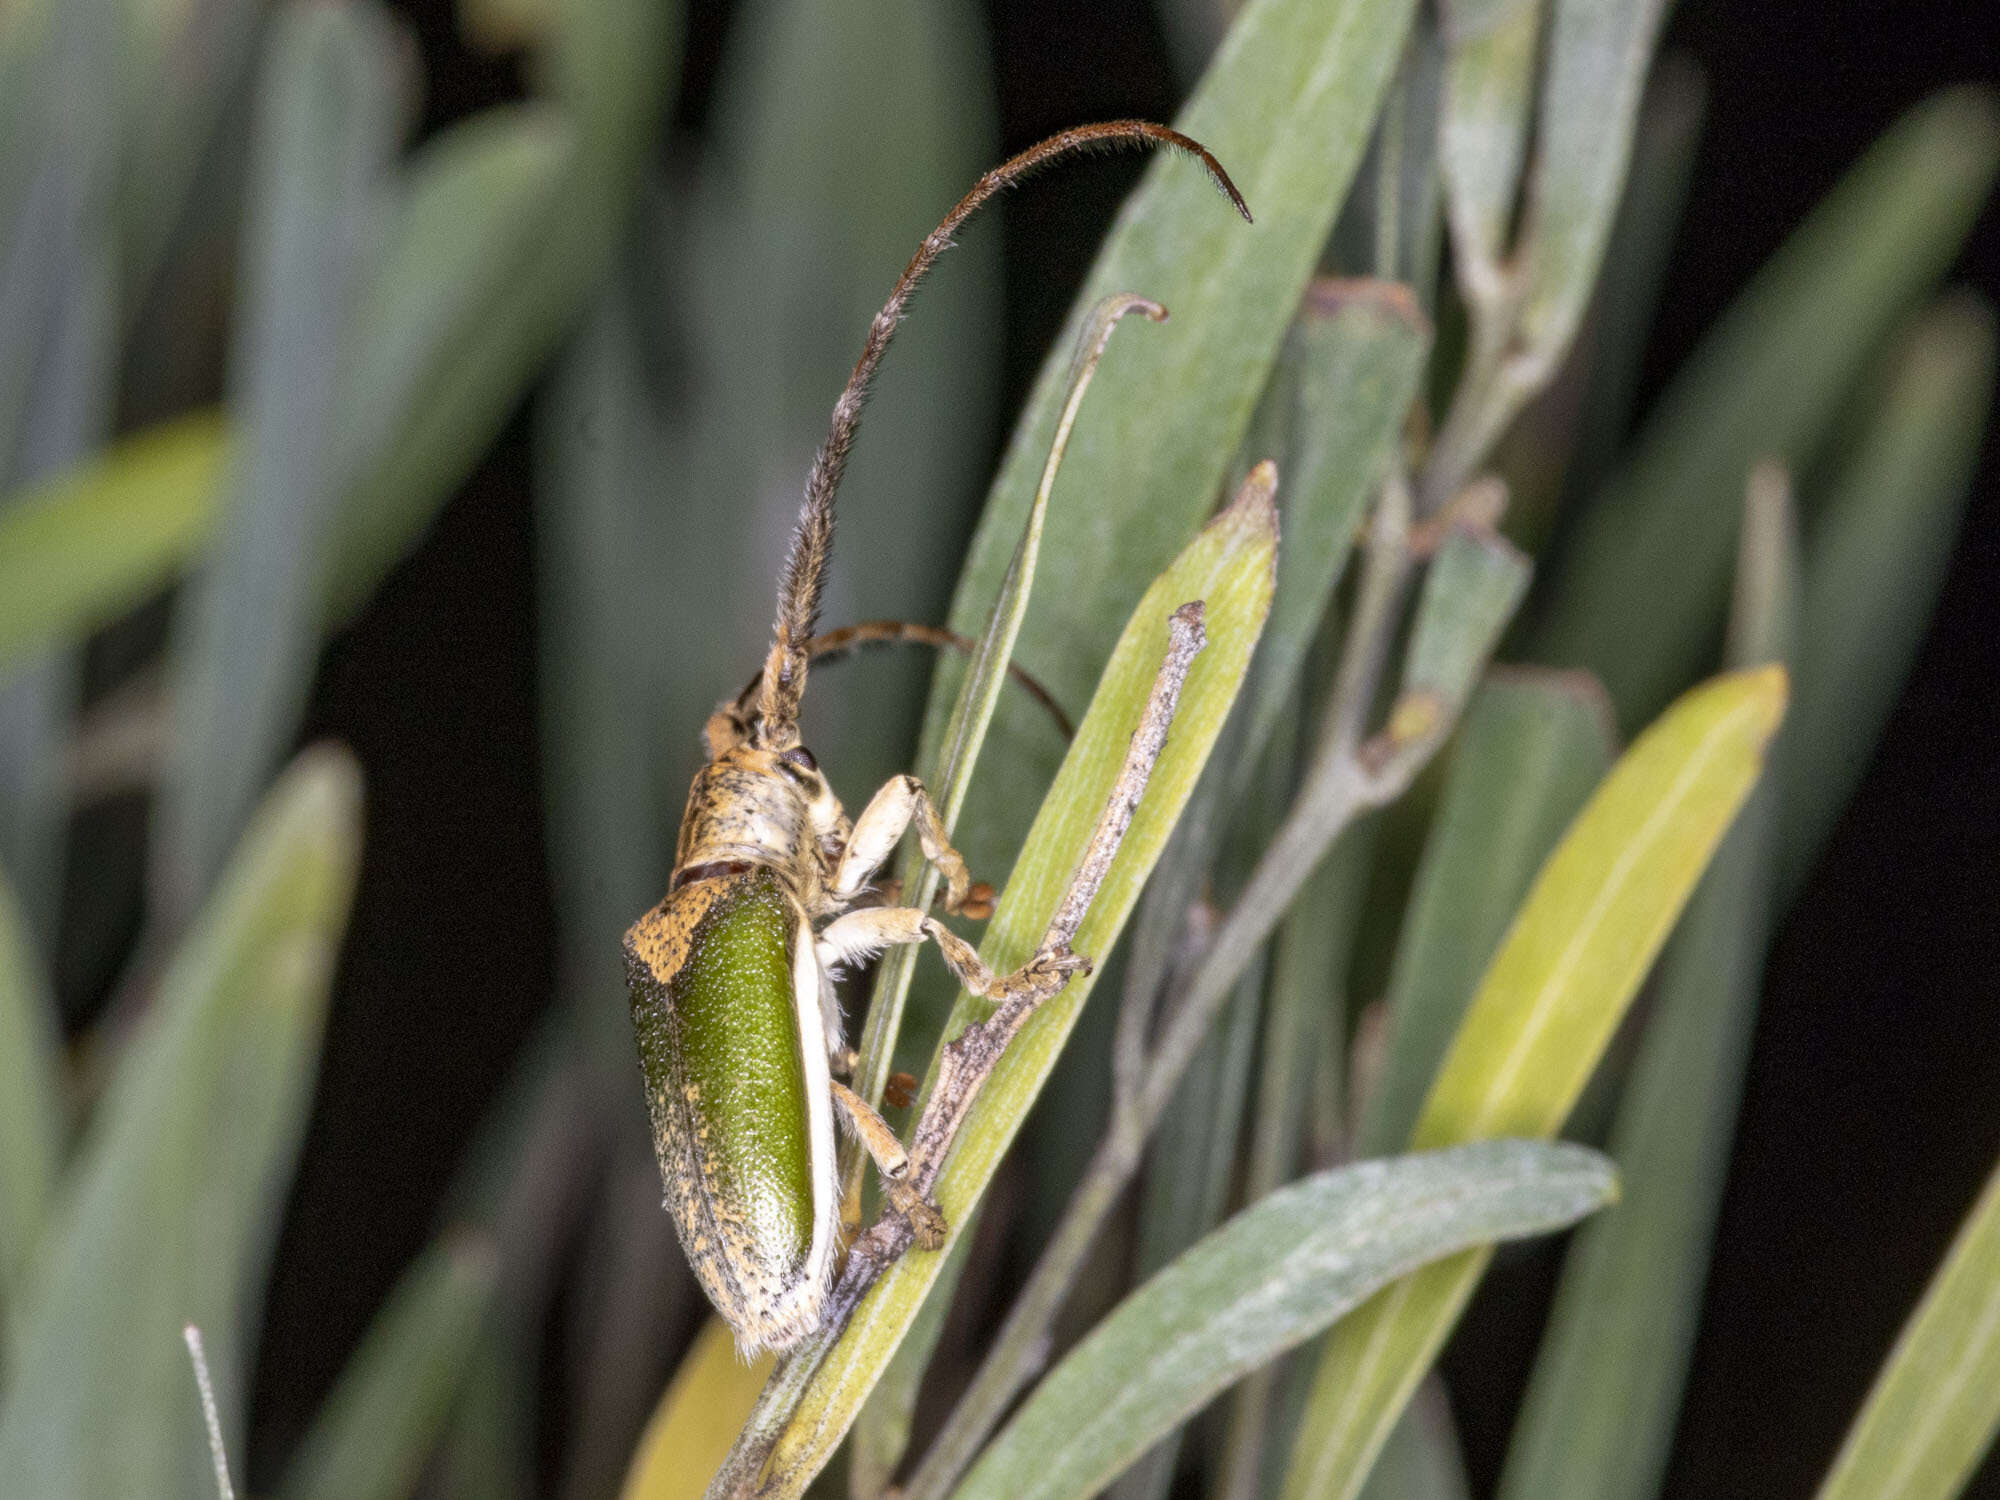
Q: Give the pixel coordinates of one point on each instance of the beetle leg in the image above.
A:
(861, 934)
(901, 802)
(893, 1162)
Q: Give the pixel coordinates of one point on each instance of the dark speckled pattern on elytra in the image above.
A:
(712, 1003)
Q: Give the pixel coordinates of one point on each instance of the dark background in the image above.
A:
(1873, 1104)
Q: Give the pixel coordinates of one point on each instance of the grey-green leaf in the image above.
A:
(1271, 1277)
(1470, 593)
(172, 1205)
(505, 226)
(1489, 97)
(436, 362)
(374, 1433)
(247, 630)
(1421, 1459)
(1638, 595)
(1875, 559)
(31, 1103)
(1597, 58)
(1287, 106)
(1332, 417)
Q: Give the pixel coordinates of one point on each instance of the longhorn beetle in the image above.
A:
(732, 976)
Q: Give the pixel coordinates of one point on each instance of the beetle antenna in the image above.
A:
(804, 578)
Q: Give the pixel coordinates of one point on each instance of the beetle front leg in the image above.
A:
(862, 934)
(901, 802)
(893, 1162)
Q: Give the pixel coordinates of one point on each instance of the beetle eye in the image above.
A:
(800, 757)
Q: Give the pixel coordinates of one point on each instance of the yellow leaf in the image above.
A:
(697, 1419)
(1572, 960)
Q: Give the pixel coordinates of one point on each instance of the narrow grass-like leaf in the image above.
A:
(1935, 1405)
(1568, 967)
(1470, 593)
(711, 1394)
(1271, 1277)
(1305, 1032)
(78, 550)
(457, 269)
(888, 1418)
(58, 375)
(1421, 1459)
(1598, 53)
(1287, 106)
(508, 223)
(1638, 596)
(1613, 343)
(1407, 193)
(1333, 415)
(326, 124)
(979, 693)
(31, 1099)
(172, 1205)
(373, 1434)
(1599, 1416)
(179, 71)
(1533, 746)
(1489, 97)
(1230, 565)
(606, 654)
(1185, 1193)
(1875, 558)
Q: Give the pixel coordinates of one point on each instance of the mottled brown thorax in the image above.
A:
(748, 807)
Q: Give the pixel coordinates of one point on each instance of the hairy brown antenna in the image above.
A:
(804, 577)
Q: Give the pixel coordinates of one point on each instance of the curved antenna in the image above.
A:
(834, 644)
(804, 578)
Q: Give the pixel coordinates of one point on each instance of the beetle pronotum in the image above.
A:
(731, 975)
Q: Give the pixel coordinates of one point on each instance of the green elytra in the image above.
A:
(722, 1042)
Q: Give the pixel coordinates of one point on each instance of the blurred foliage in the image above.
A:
(1433, 326)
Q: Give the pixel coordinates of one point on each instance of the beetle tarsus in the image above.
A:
(927, 1224)
(978, 903)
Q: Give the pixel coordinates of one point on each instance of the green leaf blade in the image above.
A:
(1532, 748)
(373, 1434)
(1935, 1405)
(1286, 105)
(1229, 565)
(1598, 54)
(81, 548)
(32, 1124)
(1876, 556)
(1638, 595)
(1338, 397)
(1598, 1420)
(172, 1204)
(1268, 1279)
(326, 128)
(1570, 964)
(1488, 102)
